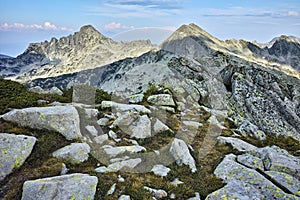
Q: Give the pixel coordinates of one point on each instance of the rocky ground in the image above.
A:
(150, 145)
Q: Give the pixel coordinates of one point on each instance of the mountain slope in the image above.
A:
(85, 49)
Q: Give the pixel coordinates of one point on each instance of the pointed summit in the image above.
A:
(190, 40)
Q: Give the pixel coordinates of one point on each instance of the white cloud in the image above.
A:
(292, 14)
(114, 26)
(20, 26)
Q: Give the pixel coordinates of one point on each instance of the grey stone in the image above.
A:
(14, 149)
(103, 121)
(237, 144)
(159, 194)
(101, 138)
(158, 127)
(124, 197)
(55, 90)
(251, 161)
(73, 186)
(64, 169)
(176, 182)
(111, 189)
(289, 182)
(229, 170)
(134, 125)
(63, 119)
(160, 170)
(277, 159)
(161, 100)
(114, 136)
(118, 107)
(115, 151)
(197, 197)
(129, 164)
(136, 98)
(237, 190)
(75, 153)
(92, 130)
(37, 89)
(180, 151)
(192, 124)
(249, 129)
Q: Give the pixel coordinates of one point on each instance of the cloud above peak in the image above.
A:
(20, 26)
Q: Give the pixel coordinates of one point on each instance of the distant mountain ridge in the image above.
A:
(89, 49)
(85, 49)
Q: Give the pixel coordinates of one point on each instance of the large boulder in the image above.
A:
(63, 119)
(74, 153)
(230, 170)
(236, 190)
(73, 186)
(14, 150)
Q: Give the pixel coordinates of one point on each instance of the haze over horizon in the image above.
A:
(22, 22)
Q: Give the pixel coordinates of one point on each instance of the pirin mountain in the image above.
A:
(195, 117)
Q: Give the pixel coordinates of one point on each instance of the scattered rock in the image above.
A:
(136, 98)
(192, 124)
(289, 182)
(121, 179)
(229, 170)
(73, 186)
(129, 164)
(237, 144)
(63, 119)
(251, 161)
(103, 121)
(134, 125)
(37, 89)
(176, 182)
(160, 170)
(250, 130)
(124, 197)
(277, 159)
(64, 169)
(159, 194)
(55, 90)
(180, 151)
(236, 190)
(114, 151)
(111, 189)
(92, 130)
(14, 149)
(161, 100)
(197, 197)
(114, 136)
(75, 153)
(160, 127)
(101, 138)
(118, 107)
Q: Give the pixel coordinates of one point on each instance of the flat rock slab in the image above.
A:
(14, 151)
(63, 119)
(66, 187)
(75, 153)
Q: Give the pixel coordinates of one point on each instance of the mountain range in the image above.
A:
(89, 49)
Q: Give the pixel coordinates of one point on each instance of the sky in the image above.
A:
(26, 21)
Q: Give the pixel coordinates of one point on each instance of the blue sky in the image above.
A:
(24, 21)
